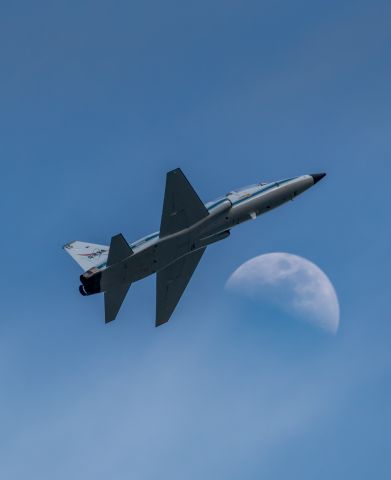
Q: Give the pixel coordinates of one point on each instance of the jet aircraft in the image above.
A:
(187, 227)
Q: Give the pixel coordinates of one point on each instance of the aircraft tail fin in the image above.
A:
(113, 301)
(88, 255)
(119, 250)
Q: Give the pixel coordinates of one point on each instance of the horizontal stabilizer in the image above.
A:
(113, 301)
(88, 255)
(119, 250)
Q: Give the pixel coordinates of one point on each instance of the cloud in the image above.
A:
(189, 407)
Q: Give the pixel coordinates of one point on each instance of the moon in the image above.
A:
(293, 284)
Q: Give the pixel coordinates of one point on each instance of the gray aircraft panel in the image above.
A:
(187, 227)
(182, 206)
(119, 250)
(171, 283)
(113, 301)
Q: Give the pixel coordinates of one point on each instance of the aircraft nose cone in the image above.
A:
(317, 176)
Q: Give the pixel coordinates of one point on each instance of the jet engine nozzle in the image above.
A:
(82, 291)
(89, 289)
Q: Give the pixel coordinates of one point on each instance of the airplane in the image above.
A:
(187, 227)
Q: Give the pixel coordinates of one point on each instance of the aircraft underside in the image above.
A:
(187, 228)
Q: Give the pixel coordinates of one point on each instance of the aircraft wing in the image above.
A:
(182, 206)
(171, 283)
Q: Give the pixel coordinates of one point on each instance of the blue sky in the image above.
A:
(97, 101)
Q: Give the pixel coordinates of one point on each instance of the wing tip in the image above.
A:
(175, 171)
(160, 322)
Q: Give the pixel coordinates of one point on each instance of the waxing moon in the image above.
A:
(293, 284)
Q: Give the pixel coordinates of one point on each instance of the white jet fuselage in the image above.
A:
(187, 227)
(153, 253)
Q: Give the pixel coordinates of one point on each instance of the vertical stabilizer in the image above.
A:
(87, 255)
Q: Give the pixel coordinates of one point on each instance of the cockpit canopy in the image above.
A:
(247, 189)
(234, 195)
